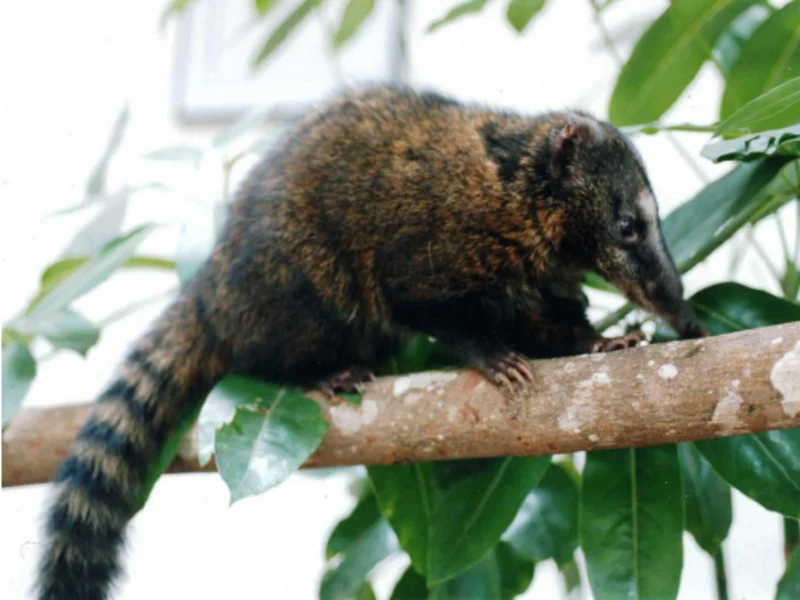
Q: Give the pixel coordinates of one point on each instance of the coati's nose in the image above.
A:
(670, 305)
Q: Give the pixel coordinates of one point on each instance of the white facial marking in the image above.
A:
(647, 206)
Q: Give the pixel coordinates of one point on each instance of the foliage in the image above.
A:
(482, 525)
(631, 520)
(267, 440)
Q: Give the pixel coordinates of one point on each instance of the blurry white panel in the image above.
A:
(218, 41)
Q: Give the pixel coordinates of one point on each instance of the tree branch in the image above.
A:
(699, 389)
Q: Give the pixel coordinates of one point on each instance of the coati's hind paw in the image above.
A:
(507, 369)
(630, 340)
(349, 381)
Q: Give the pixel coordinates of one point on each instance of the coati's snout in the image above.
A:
(620, 231)
(639, 264)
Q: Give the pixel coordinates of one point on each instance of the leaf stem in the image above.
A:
(763, 255)
(656, 127)
(738, 253)
(797, 219)
(572, 580)
(613, 318)
(791, 536)
(782, 235)
(720, 575)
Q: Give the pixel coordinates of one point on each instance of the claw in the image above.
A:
(505, 369)
(349, 381)
(629, 340)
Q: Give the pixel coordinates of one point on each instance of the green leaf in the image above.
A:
(97, 180)
(699, 226)
(353, 398)
(182, 154)
(345, 580)
(70, 330)
(447, 515)
(87, 276)
(62, 269)
(355, 13)
(465, 8)
(631, 521)
(668, 56)
(264, 6)
(173, 9)
(220, 407)
(282, 31)
(654, 128)
(764, 466)
(790, 280)
(547, 524)
(121, 195)
(475, 503)
(405, 496)
(516, 570)
(503, 573)
(789, 585)
(520, 12)
(353, 526)
(707, 500)
(779, 107)
(365, 592)
(731, 42)
(595, 281)
(19, 370)
(411, 586)
(783, 142)
(728, 307)
(261, 447)
(420, 353)
(142, 261)
(99, 231)
(770, 57)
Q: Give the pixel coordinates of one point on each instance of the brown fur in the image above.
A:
(384, 213)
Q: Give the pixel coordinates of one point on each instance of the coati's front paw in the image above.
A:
(630, 340)
(507, 368)
(349, 381)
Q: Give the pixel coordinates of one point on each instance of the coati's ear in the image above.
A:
(576, 132)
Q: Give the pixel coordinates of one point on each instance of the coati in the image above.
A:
(384, 212)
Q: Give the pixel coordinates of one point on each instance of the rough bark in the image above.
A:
(700, 389)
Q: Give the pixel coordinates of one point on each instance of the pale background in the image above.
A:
(65, 71)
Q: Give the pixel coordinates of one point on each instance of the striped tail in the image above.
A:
(102, 483)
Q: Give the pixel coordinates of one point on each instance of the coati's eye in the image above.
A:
(626, 228)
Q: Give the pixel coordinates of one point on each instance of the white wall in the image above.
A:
(65, 70)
